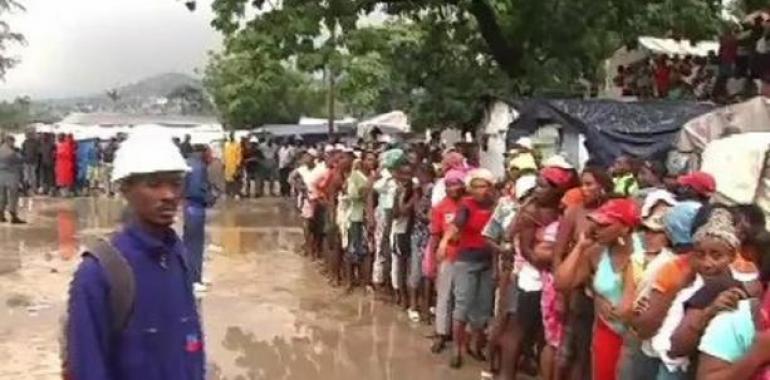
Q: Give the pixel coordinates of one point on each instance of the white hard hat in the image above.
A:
(146, 155)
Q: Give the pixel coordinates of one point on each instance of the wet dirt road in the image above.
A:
(269, 314)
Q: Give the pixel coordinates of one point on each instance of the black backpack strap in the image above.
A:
(121, 280)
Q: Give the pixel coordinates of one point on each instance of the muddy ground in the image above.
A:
(269, 314)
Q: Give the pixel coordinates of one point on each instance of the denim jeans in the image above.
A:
(194, 237)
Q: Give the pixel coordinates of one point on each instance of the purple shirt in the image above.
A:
(163, 337)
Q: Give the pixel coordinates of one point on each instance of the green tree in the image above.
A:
(437, 58)
(8, 36)
(16, 114)
(250, 89)
(192, 100)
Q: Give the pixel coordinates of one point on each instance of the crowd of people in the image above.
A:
(609, 273)
(725, 76)
(620, 272)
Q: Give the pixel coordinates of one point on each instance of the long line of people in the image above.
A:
(611, 273)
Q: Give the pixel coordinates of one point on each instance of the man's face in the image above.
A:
(155, 198)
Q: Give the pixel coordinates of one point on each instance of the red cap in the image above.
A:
(557, 176)
(701, 182)
(622, 210)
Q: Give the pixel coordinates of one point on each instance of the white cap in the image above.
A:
(146, 155)
(339, 147)
(525, 142)
(656, 197)
(313, 152)
(557, 161)
(524, 185)
(328, 148)
(253, 139)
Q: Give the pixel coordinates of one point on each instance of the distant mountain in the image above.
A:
(157, 86)
(144, 96)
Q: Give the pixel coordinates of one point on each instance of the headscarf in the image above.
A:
(679, 221)
(654, 198)
(453, 160)
(480, 173)
(622, 210)
(721, 226)
(393, 158)
(700, 182)
(454, 176)
(559, 177)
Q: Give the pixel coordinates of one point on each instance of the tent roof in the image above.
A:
(106, 119)
(750, 116)
(677, 47)
(302, 129)
(391, 122)
(643, 129)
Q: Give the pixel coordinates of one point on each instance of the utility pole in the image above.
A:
(331, 76)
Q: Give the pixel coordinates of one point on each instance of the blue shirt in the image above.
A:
(163, 337)
(197, 182)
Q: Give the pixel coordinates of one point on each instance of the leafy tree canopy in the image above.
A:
(8, 36)
(437, 58)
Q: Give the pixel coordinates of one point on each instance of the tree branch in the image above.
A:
(506, 54)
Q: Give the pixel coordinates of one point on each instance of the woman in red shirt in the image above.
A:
(472, 279)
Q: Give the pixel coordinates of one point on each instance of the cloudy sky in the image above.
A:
(81, 47)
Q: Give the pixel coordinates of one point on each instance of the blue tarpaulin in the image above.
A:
(646, 129)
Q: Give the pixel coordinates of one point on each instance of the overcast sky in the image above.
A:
(81, 47)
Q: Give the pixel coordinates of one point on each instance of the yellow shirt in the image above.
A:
(233, 157)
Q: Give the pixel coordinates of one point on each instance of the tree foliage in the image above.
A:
(16, 114)
(7, 36)
(249, 89)
(437, 58)
(192, 100)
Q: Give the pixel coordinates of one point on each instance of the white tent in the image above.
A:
(394, 122)
(750, 116)
(740, 165)
(651, 46)
(677, 47)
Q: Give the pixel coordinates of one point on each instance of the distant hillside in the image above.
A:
(157, 86)
(139, 97)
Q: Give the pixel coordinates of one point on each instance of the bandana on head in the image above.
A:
(453, 160)
(393, 158)
(721, 226)
(482, 174)
(454, 176)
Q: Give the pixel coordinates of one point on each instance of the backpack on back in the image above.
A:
(122, 285)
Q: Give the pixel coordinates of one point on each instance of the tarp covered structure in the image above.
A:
(741, 166)
(643, 129)
(750, 116)
(389, 123)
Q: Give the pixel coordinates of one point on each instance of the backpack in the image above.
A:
(122, 284)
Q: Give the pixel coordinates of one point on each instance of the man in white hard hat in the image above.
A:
(132, 314)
